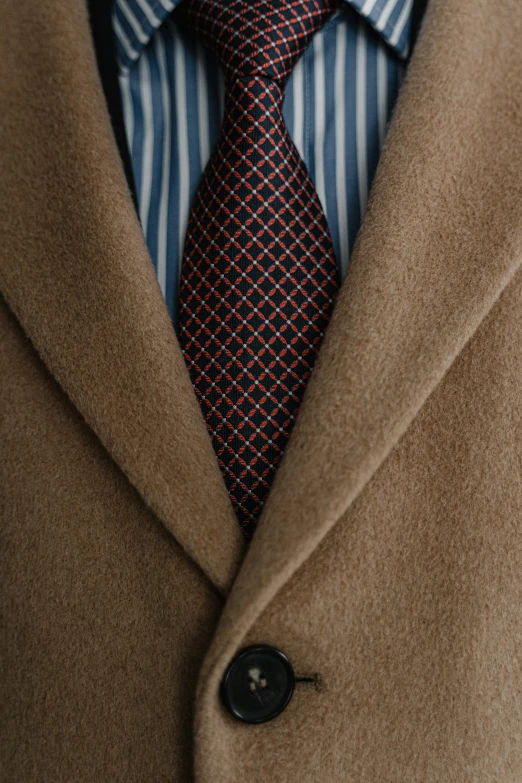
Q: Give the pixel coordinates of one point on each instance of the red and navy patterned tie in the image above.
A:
(258, 276)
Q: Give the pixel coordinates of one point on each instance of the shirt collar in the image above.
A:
(136, 21)
(391, 19)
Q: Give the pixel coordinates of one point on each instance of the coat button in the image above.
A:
(258, 684)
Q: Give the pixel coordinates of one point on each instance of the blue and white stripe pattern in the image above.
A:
(338, 103)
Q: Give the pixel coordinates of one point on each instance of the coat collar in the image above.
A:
(75, 271)
(136, 21)
(441, 239)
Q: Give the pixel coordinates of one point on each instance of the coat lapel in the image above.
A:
(76, 273)
(441, 240)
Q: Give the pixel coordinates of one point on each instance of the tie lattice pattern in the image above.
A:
(259, 276)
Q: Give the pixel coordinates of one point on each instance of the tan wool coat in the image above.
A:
(387, 563)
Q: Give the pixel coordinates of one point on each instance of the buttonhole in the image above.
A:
(308, 681)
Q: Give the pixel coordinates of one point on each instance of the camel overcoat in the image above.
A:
(387, 563)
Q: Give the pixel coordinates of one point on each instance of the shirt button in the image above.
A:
(258, 684)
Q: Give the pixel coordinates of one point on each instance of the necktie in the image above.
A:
(258, 275)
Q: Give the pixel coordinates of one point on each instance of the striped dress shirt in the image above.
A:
(338, 103)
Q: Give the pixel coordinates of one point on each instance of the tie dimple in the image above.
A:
(260, 37)
(258, 276)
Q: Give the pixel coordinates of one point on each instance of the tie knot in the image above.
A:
(262, 37)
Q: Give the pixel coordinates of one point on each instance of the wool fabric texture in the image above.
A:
(387, 561)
